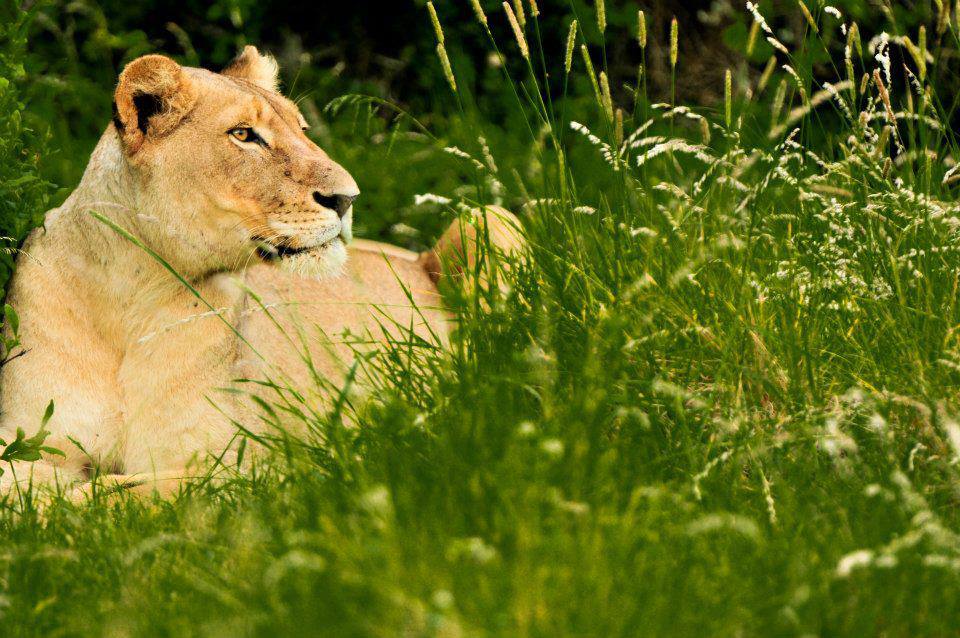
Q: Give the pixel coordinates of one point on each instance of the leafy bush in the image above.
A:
(23, 193)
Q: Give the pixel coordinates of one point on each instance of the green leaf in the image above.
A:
(52, 450)
(12, 318)
(32, 448)
(241, 449)
(48, 413)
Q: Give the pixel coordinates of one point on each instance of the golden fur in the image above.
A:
(132, 358)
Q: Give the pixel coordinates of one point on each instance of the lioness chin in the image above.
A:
(213, 174)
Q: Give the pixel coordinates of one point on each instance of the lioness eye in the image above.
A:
(245, 134)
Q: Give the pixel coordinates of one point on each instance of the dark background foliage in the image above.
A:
(59, 62)
(76, 49)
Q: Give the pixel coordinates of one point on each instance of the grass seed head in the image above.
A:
(642, 29)
(478, 10)
(674, 41)
(618, 127)
(918, 55)
(853, 39)
(590, 72)
(882, 141)
(517, 31)
(728, 97)
(922, 46)
(571, 40)
(436, 22)
(771, 38)
(521, 15)
(778, 98)
(885, 97)
(447, 69)
(808, 16)
(767, 74)
(601, 16)
(534, 9)
(943, 17)
(605, 95)
(799, 82)
(752, 37)
(778, 45)
(758, 18)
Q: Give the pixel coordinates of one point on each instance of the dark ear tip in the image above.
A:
(115, 117)
(147, 106)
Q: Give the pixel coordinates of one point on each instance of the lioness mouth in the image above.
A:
(269, 252)
(286, 251)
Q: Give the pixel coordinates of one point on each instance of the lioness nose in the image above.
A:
(339, 203)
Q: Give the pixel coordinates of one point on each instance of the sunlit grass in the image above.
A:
(717, 396)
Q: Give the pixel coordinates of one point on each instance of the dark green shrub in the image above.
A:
(23, 193)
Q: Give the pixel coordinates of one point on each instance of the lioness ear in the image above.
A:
(253, 66)
(152, 96)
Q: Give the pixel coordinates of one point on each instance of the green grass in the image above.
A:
(719, 397)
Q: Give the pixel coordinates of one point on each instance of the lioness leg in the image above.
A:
(462, 244)
(66, 360)
(163, 484)
(170, 377)
(19, 477)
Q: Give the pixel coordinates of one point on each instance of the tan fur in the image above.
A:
(250, 65)
(460, 246)
(133, 359)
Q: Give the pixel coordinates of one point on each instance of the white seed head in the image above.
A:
(778, 45)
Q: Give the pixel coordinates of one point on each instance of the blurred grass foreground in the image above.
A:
(719, 396)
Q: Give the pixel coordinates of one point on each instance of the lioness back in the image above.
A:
(383, 292)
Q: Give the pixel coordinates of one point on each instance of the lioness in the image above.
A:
(213, 175)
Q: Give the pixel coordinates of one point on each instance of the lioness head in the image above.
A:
(222, 165)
